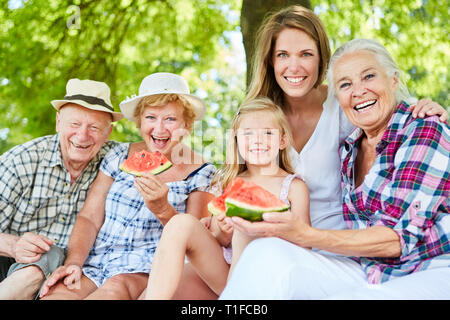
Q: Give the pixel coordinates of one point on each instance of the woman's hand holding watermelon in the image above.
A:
(154, 192)
(285, 225)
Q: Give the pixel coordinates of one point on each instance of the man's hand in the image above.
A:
(30, 247)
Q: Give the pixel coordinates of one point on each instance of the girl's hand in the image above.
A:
(426, 107)
(223, 224)
(154, 192)
(206, 221)
(221, 229)
(285, 225)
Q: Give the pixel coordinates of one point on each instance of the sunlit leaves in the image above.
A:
(414, 31)
(45, 43)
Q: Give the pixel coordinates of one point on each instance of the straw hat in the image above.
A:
(90, 94)
(162, 83)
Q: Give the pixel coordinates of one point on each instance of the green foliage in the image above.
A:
(45, 43)
(415, 32)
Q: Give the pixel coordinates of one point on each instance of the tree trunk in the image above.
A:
(252, 14)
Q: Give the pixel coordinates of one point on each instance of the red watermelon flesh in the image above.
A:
(143, 161)
(247, 200)
(217, 205)
(250, 201)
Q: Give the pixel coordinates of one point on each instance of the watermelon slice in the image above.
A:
(246, 200)
(217, 205)
(143, 161)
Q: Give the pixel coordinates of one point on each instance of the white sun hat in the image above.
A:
(90, 94)
(162, 83)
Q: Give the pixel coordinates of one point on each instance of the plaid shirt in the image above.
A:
(35, 191)
(407, 189)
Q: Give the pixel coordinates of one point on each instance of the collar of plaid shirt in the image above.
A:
(53, 155)
(391, 132)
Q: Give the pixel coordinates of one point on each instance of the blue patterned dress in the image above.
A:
(130, 233)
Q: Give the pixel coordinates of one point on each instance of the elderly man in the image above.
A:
(43, 185)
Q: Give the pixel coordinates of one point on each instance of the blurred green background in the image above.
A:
(45, 43)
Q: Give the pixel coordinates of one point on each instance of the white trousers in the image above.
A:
(271, 268)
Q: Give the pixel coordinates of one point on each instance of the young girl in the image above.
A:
(257, 152)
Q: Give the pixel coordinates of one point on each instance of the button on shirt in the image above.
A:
(35, 191)
(407, 189)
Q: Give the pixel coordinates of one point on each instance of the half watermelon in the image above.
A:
(143, 161)
(217, 205)
(246, 200)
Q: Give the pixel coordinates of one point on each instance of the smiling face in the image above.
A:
(364, 90)
(259, 138)
(82, 133)
(296, 62)
(163, 127)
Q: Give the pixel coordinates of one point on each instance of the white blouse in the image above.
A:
(319, 164)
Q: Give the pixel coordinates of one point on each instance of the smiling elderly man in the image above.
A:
(43, 185)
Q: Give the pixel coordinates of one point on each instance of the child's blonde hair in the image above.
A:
(234, 164)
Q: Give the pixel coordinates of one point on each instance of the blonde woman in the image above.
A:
(256, 152)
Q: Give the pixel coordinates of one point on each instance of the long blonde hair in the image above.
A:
(263, 82)
(234, 164)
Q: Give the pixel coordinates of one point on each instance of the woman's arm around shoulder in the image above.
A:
(426, 107)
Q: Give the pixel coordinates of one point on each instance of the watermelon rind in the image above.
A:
(214, 210)
(217, 205)
(156, 171)
(249, 212)
(162, 168)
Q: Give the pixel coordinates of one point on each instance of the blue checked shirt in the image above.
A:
(407, 189)
(35, 191)
(130, 233)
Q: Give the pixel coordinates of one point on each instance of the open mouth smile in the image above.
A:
(79, 146)
(160, 142)
(258, 151)
(295, 80)
(364, 105)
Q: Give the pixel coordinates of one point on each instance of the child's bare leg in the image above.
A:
(185, 235)
(239, 242)
(192, 287)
